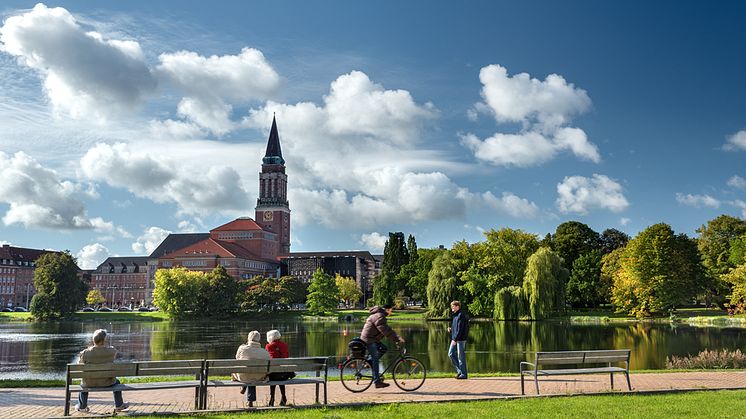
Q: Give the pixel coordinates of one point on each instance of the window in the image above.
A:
(194, 263)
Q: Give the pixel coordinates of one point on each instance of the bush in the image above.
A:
(718, 359)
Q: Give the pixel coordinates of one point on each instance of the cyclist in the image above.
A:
(375, 329)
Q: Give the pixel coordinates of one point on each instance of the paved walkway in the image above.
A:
(48, 402)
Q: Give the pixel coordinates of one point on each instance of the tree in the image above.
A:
(609, 268)
(658, 271)
(349, 292)
(219, 293)
(572, 239)
(443, 285)
(177, 290)
(322, 293)
(737, 251)
(418, 273)
(95, 297)
(544, 283)
(59, 291)
(612, 239)
(584, 286)
(388, 284)
(737, 279)
(715, 240)
(510, 304)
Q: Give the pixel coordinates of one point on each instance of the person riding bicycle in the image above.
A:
(375, 329)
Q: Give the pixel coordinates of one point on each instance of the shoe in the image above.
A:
(251, 404)
(271, 401)
(283, 401)
(382, 385)
(243, 390)
(122, 408)
(461, 377)
(82, 409)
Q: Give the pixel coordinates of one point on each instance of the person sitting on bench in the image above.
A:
(251, 350)
(99, 353)
(277, 349)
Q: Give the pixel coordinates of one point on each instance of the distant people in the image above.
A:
(277, 349)
(99, 353)
(252, 349)
(375, 329)
(459, 332)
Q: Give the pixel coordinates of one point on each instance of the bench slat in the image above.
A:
(138, 386)
(574, 371)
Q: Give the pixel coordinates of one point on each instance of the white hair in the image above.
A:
(99, 336)
(273, 335)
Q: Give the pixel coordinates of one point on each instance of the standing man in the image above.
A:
(99, 353)
(375, 329)
(459, 331)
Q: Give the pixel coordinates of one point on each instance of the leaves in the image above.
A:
(59, 291)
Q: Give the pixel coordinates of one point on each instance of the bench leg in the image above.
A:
(536, 381)
(325, 393)
(523, 390)
(196, 398)
(629, 385)
(67, 402)
(317, 393)
(612, 380)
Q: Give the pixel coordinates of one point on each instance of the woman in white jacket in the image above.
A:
(251, 350)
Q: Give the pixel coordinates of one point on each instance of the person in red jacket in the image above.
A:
(277, 349)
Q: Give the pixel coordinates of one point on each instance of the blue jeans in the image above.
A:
(83, 398)
(373, 357)
(457, 353)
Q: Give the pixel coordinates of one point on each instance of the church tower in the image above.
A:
(272, 208)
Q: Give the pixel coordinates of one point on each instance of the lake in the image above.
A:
(41, 350)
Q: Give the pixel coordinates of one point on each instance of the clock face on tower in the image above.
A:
(267, 216)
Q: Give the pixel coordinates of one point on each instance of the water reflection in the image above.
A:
(30, 350)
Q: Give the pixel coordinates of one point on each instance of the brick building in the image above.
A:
(17, 266)
(123, 281)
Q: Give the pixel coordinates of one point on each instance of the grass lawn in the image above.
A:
(95, 316)
(719, 404)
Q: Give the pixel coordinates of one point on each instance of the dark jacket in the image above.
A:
(376, 327)
(460, 326)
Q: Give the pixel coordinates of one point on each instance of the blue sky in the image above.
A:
(123, 121)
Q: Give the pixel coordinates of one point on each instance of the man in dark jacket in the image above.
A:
(375, 329)
(459, 331)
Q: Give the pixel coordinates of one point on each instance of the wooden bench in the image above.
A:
(135, 369)
(218, 367)
(578, 358)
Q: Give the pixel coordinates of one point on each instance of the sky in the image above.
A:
(122, 122)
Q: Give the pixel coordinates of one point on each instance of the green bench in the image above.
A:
(135, 369)
(593, 359)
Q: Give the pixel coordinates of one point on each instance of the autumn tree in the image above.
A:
(95, 297)
(349, 292)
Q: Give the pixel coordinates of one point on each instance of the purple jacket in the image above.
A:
(376, 327)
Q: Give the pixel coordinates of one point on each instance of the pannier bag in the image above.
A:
(357, 348)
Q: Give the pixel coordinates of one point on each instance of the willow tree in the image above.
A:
(544, 283)
(442, 286)
(510, 304)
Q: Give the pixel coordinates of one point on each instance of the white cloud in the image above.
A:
(39, 198)
(519, 98)
(512, 205)
(580, 194)
(741, 205)
(3, 242)
(195, 190)
(624, 221)
(85, 75)
(543, 108)
(697, 201)
(736, 142)
(374, 241)
(212, 84)
(149, 240)
(92, 255)
(737, 182)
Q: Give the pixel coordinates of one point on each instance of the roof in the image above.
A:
(239, 224)
(274, 153)
(215, 248)
(342, 253)
(22, 253)
(175, 242)
(127, 260)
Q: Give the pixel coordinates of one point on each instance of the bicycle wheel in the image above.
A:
(356, 375)
(409, 373)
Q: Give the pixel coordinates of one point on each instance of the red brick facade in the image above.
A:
(17, 266)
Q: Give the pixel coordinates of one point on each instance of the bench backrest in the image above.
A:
(135, 369)
(254, 366)
(583, 357)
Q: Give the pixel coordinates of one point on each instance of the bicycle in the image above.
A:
(407, 371)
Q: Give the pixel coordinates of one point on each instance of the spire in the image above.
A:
(274, 153)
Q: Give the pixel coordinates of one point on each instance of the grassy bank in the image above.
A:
(94, 316)
(720, 404)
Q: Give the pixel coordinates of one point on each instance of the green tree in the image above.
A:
(293, 291)
(177, 290)
(609, 267)
(714, 242)
(388, 283)
(219, 293)
(737, 251)
(612, 239)
(95, 297)
(418, 274)
(322, 293)
(659, 270)
(737, 279)
(510, 304)
(443, 285)
(584, 286)
(544, 283)
(59, 291)
(572, 239)
(349, 292)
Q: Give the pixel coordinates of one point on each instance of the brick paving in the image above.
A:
(48, 402)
